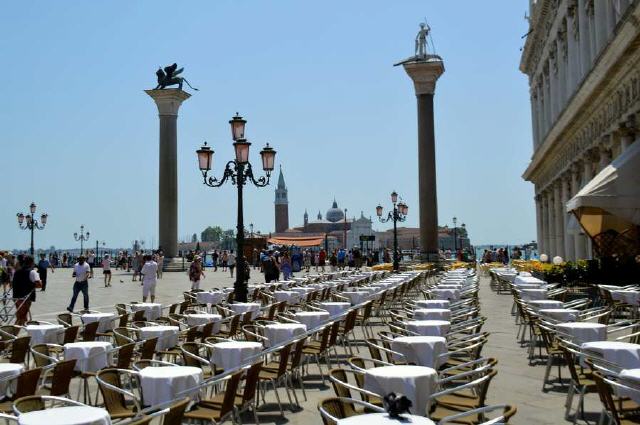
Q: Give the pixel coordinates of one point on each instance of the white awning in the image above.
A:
(611, 200)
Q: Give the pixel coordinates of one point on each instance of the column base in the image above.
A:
(430, 257)
(175, 264)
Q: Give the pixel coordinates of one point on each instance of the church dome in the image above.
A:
(334, 214)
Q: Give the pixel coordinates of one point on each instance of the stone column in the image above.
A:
(585, 38)
(589, 164)
(168, 102)
(593, 41)
(539, 228)
(580, 242)
(605, 152)
(628, 133)
(551, 223)
(534, 117)
(544, 201)
(559, 217)
(548, 101)
(424, 75)
(600, 14)
(569, 244)
(573, 48)
(542, 127)
(554, 92)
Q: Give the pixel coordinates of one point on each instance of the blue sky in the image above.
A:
(314, 79)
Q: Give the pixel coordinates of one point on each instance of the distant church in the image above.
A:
(330, 230)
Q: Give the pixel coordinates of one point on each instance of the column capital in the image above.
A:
(168, 101)
(591, 155)
(424, 75)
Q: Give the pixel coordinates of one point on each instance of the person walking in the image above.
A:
(285, 266)
(196, 273)
(25, 281)
(231, 262)
(160, 263)
(322, 259)
(106, 270)
(82, 274)
(214, 258)
(43, 266)
(225, 260)
(149, 278)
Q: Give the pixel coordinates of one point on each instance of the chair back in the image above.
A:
(27, 383)
(121, 309)
(114, 401)
(148, 349)
(339, 376)
(30, 403)
(41, 355)
(124, 320)
(251, 382)
(296, 356)
(70, 334)
(207, 331)
(176, 412)
(191, 348)
(65, 319)
(62, 374)
(90, 331)
(19, 349)
(230, 393)
(125, 355)
(138, 316)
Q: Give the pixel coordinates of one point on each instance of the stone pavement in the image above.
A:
(516, 383)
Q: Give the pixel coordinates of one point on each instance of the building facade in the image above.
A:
(582, 58)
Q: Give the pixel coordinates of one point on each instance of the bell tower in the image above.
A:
(281, 205)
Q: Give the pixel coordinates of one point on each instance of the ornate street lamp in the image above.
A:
(82, 237)
(29, 222)
(239, 171)
(399, 213)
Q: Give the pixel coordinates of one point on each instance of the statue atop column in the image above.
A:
(170, 76)
(421, 47)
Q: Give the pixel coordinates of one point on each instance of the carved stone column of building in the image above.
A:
(573, 48)
(585, 40)
(539, 225)
(548, 101)
(590, 163)
(534, 117)
(559, 217)
(604, 152)
(542, 125)
(554, 92)
(579, 240)
(569, 243)
(544, 200)
(628, 132)
(551, 223)
(600, 15)
(561, 60)
(593, 43)
(168, 102)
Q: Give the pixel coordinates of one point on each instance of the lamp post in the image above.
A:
(97, 250)
(82, 237)
(29, 222)
(455, 236)
(346, 247)
(399, 213)
(239, 171)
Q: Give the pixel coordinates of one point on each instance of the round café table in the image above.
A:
(167, 335)
(312, 319)
(560, 314)
(421, 350)
(210, 297)
(580, 332)
(201, 319)
(417, 383)
(335, 308)
(90, 356)
(291, 297)
(45, 334)
(239, 308)
(231, 354)
(445, 294)
(624, 354)
(278, 333)
(70, 415)
(428, 327)
(538, 304)
(432, 314)
(384, 419)
(105, 320)
(433, 303)
(630, 377)
(533, 294)
(8, 371)
(151, 310)
(163, 384)
(356, 297)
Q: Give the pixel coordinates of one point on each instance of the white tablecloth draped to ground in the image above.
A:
(162, 384)
(72, 415)
(421, 350)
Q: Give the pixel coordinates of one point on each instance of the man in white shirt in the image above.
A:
(82, 272)
(149, 278)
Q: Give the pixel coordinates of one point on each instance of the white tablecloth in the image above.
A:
(415, 382)
(384, 419)
(428, 327)
(312, 319)
(623, 354)
(72, 415)
(167, 335)
(228, 355)
(199, 319)
(45, 334)
(631, 378)
(432, 314)
(533, 294)
(239, 308)
(291, 297)
(335, 308)
(356, 297)
(627, 297)
(421, 350)
(561, 314)
(433, 303)
(7, 371)
(211, 298)
(151, 310)
(527, 279)
(580, 332)
(162, 384)
(450, 286)
(537, 304)
(105, 319)
(445, 294)
(282, 332)
(91, 356)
